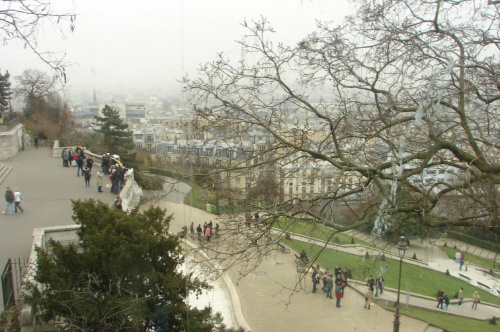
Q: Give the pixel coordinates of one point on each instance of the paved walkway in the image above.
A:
(47, 189)
(266, 302)
(266, 298)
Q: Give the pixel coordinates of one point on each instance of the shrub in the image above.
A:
(414, 256)
(493, 321)
(447, 272)
(352, 240)
(336, 240)
(367, 255)
(475, 241)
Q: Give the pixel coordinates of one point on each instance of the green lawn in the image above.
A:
(473, 259)
(449, 322)
(414, 279)
(317, 231)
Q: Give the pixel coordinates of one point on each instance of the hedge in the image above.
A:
(475, 241)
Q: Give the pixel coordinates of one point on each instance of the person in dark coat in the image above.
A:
(440, 299)
(90, 162)
(9, 201)
(339, 290)
(118, 203)
(79, 165)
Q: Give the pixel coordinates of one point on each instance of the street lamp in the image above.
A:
(217, 208)
(402, 246)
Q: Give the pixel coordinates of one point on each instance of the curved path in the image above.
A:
(48, 189)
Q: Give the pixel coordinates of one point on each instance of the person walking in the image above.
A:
(90, 162)
(461, 263)
(79, 164)
(446, 302)
(208, 233)
(440, 299)
(370, 282)
(368, 298)
(17, 201)
(315, 279)
(99, 181)
(460, 296)
(466, 265)
(9, 201)
(339, 290)
(475, 300)
(198, 230)
(191, 229)
(329, 286)
(64, 157)
(36, 142)
(86, 176)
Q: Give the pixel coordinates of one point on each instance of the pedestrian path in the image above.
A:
(47, 189)
(485, 311)
(275, 297)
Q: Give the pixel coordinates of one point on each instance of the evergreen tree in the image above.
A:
(117, 139)
(5, 92)
(122, 275)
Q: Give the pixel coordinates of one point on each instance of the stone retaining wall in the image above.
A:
(11, 141)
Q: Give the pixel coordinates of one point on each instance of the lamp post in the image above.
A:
(217, 208)
(402, 246)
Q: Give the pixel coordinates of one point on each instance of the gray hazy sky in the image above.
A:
(147, 45)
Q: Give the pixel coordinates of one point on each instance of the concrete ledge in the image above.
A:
(11, 142)
(239, 318)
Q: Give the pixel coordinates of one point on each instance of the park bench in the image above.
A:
(465, 277)
(484, 285)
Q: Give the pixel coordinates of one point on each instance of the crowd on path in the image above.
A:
(76, 157)
(111, 166)
(332, 282)
(206, 233)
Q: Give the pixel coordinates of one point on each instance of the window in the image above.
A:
(290, 190)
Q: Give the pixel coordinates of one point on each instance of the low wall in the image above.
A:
(28, 320)
(11, 141)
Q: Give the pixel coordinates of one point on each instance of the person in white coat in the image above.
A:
(17, 201)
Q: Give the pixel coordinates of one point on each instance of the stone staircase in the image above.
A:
(4, 172)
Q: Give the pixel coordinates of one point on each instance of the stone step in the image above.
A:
(4, 172)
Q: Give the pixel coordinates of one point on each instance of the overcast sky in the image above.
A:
(147, 45)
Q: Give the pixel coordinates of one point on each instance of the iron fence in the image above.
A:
(14, 273)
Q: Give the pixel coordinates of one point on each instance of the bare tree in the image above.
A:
(33, 84)
(21, 21)
(399, 104)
